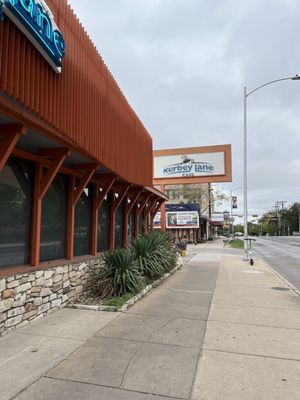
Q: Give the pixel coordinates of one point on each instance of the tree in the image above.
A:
(292, 218)
(202, 196)
(269, 223)
(281, 222)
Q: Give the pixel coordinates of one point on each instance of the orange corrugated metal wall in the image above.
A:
(84, 102)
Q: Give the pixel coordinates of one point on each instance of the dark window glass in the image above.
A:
(15, 212)
(82, 223)
(54, 217)
(130, 226)
(140, 225)
(103, 226)
(119, 227)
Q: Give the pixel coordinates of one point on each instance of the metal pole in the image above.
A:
(245, 179)
(293, 78)
(231, 214)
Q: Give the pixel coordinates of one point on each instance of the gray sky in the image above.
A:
(182, 65)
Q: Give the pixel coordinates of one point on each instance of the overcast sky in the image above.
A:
(182, 65)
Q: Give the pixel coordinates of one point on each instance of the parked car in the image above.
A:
(238, 234)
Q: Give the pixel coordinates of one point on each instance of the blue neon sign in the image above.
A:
(35, 20)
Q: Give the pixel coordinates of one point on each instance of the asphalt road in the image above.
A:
(283, 254)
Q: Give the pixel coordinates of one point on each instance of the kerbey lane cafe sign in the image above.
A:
(185, 165)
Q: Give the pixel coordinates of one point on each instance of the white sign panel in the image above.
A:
(182, 219)
(178, 166)
(157, 220)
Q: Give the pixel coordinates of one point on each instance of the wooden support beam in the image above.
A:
(36, 217)
(50, 175)
(144, 221)
(136, 193)
(143, 204)
(74, 195)
(125, 222)
(11, 133)
(148, 211)
(71, 219)
(163, 212)
(157, 207)
(139, 208)
(41, 185)
(150, 205)
(84, 180)
(115, 203)
(134, 196)
(94, 227)
(98, 198)
(122, 193)
(105, 189)
(44, 161)
(136, 222)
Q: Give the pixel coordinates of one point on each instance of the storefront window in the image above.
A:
(130, 226)
(15, 212)
(83, 223)
(54, 216)
(103, 226)
(140, 225)
(119, 227)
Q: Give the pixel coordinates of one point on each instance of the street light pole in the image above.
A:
(246, 95)
(245, 179)
(231, 214)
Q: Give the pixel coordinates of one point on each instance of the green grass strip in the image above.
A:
(236, 244)
(119, 301)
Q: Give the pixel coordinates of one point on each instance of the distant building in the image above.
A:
(190, 200)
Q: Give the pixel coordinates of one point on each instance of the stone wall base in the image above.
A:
(28, 296)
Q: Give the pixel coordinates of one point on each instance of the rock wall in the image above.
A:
(25, 297)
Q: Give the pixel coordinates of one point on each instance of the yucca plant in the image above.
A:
(155, 254)
(119, 274)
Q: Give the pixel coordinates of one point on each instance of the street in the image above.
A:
(283, 254)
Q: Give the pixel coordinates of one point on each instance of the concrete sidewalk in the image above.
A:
(252, 343)
(217, 329)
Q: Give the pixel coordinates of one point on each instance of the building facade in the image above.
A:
(76, 167)
(197, 198)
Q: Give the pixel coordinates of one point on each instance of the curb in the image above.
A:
(132, 301)
(286, 282)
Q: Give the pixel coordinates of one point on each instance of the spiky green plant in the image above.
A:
(155, 253)
(119, 274)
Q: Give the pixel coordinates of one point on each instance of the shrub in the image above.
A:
(124, 271)
(144, 250)
(155, 253)
(120, 274)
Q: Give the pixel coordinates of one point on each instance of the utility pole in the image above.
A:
(277, 219)
(281, 220)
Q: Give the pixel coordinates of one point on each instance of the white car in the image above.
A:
(238, 234)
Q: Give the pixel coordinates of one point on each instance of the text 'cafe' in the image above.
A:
(75, 160)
